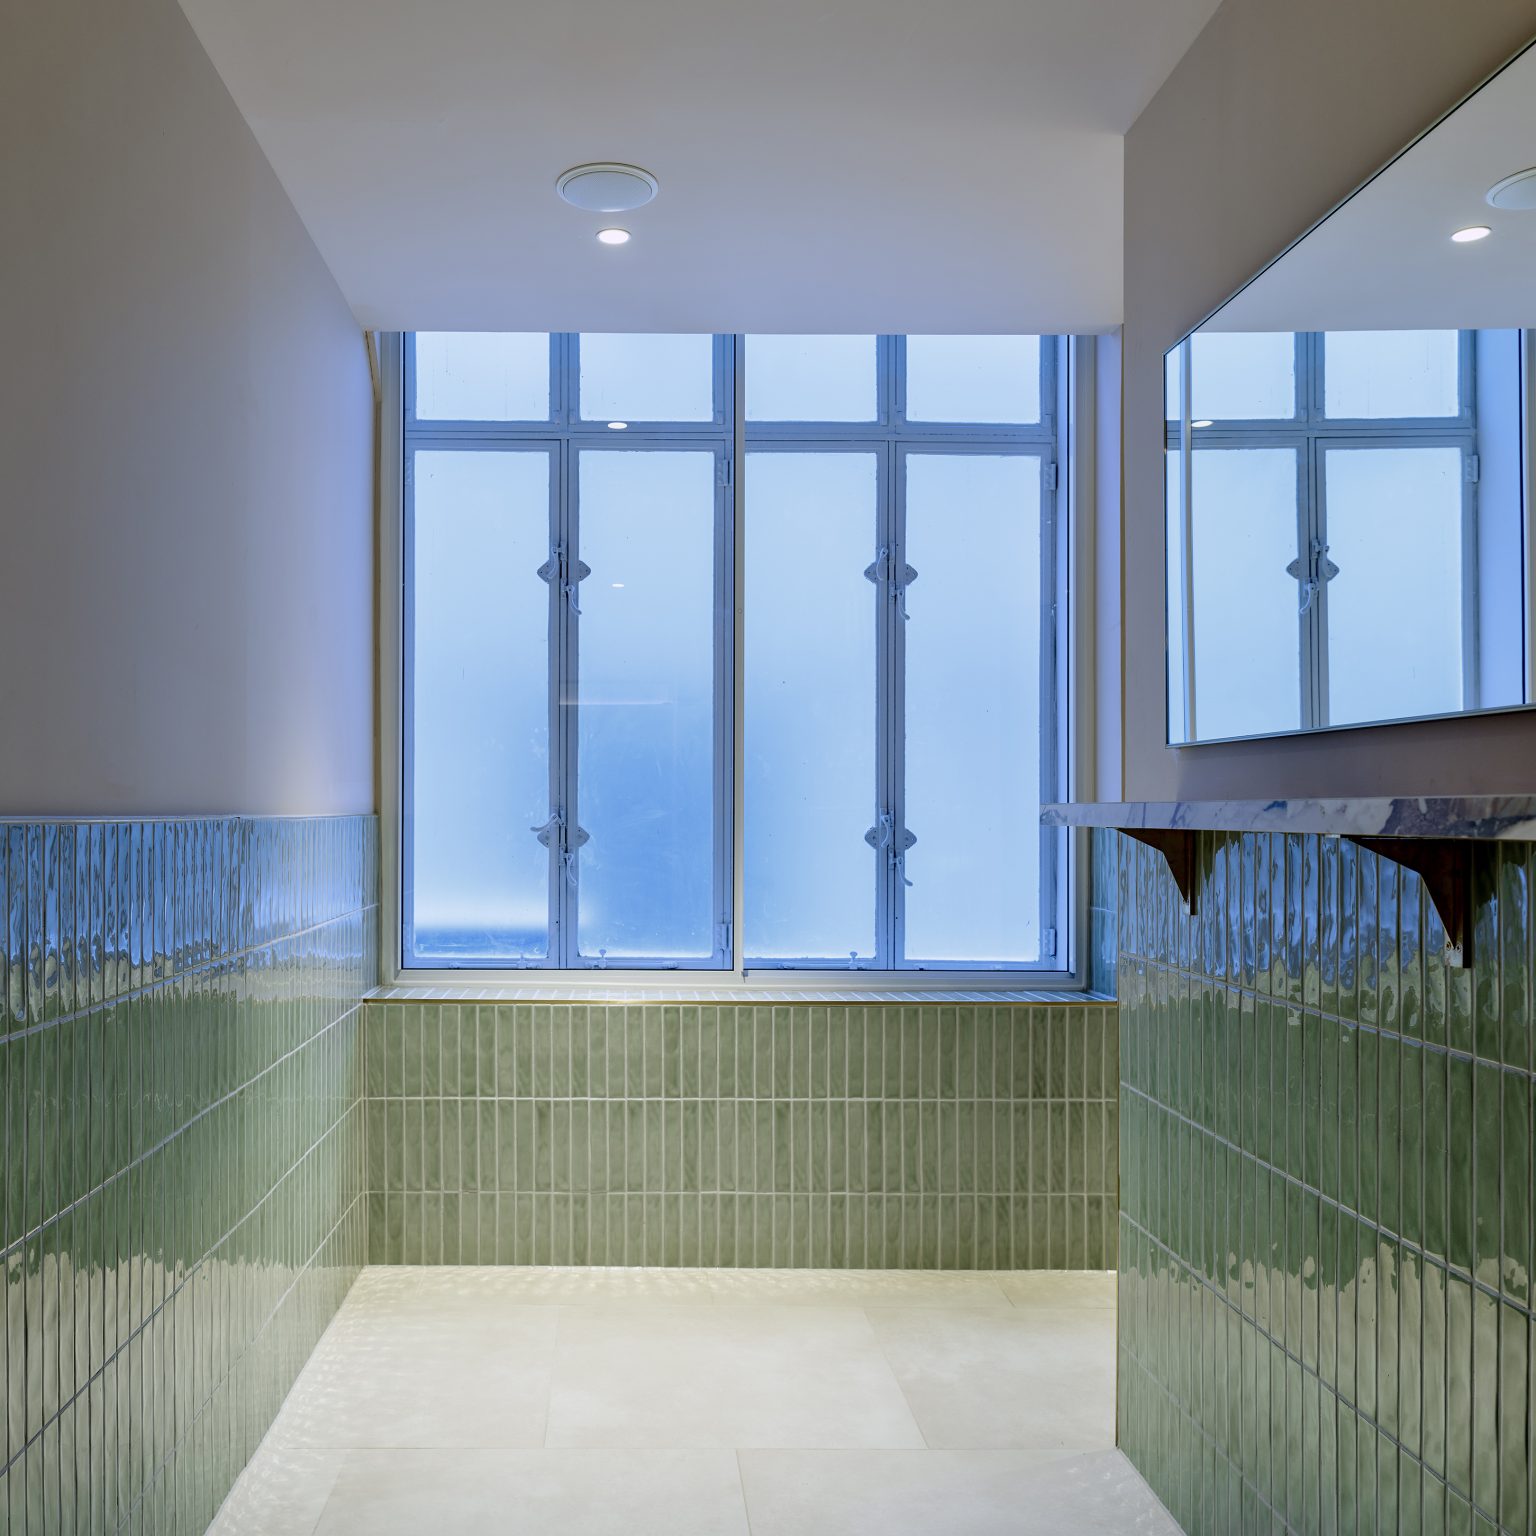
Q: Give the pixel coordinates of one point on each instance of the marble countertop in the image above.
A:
(1505, 818)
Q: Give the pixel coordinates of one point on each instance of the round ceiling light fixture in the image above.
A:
(606, 187)
(1470, 233)
(1515, 193)
(613, 236)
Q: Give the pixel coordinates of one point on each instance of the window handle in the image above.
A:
(570, 574)
(908, 576)
(1319, 571)
(879, 836)
(579, 838)
(551, 830)
(879, 569)
(579, 573)
(883, 836)
(553, 833)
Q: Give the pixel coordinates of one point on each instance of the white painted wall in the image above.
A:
(186, 422)
(1275, 113)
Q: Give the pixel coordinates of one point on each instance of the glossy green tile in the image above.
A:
(1431, 1146)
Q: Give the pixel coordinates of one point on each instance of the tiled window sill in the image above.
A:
(675, 992)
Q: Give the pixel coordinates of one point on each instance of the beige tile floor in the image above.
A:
(582, 1402)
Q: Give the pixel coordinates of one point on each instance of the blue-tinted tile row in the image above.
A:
(1327, 1237)
(183, 1200)
(93, 910)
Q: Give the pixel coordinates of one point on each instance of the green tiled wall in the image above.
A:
(181, 1077)
(1103, 898)
(1326, 1234)
(958, 1136)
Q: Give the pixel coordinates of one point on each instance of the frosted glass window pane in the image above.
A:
(1247, 635)
(1391, 373)
(482, 376)
(645, 790)
(1243, 376)
(480, 694)
(809, 768)
(973, 378)
(1394, 609)
(810, 378)
(973, 708)
(647, 378)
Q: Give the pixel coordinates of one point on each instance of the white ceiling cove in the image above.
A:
(825, 165)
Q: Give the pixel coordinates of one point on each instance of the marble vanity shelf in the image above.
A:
(1431, 835)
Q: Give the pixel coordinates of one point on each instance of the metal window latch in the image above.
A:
(552, 829)
(579, 574)
(879, 836)
(554, 833)
(1318, 572)
(569, 573)
(881, 570)
(883, 836)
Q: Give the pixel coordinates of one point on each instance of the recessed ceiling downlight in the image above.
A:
(1470, 233)
(606, 187)
(1515, 193)
(613, 236)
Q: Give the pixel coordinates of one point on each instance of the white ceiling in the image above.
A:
(825, 165)
(1384, 261)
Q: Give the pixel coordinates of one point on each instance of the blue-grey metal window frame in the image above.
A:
(892, 437)
(1312, 433)
(564, 435)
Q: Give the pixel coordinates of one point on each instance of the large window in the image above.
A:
(610, 580)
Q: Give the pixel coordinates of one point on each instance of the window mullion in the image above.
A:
(894, 733)
(1314, 541)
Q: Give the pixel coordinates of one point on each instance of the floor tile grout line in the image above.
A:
(342, 1458)
(741, 1480)
(917, 1423)
(549, 1388)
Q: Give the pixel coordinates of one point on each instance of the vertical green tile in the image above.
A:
(1458, 1383)
(1487, 1156)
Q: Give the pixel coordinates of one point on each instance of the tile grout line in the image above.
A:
(741, 1481)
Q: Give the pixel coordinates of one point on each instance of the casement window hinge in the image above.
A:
(723, 939)
(727, 473)
(1474, 468)
(1048, 943)
(1051, 477)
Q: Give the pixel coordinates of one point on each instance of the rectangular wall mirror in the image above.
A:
(1349, 450)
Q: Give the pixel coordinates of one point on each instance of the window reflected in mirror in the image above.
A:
(1348, 443)
(1345, 528)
